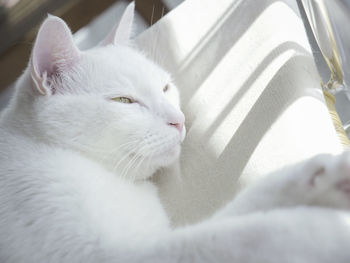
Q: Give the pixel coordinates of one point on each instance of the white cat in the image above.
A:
(85, 130)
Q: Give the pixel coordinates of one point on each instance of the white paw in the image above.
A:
(322, 181)
(329, 181)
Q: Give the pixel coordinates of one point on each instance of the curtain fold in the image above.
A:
(251, 95)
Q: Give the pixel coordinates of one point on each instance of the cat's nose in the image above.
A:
(179, 125)
(177, 120)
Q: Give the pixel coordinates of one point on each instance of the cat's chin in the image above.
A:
(166, 158)
(170, 156)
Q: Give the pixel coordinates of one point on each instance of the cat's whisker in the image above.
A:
(128, 166)
(149, 158)
(136, 167)
(138, 154)
(128, 162)
(119, 162)
(141, 157)
(121, 147)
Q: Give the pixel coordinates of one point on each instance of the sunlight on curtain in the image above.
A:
(250, 93)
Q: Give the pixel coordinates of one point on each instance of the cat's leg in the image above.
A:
(321, 181)
(312, 235)
(294, 235)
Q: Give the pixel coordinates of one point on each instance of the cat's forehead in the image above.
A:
(123, 68)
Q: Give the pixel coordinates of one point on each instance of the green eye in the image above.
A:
(123, 100)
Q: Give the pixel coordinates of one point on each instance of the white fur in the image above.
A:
(73, 166)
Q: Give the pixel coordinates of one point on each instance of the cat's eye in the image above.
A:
(166, 88)
(123, 100)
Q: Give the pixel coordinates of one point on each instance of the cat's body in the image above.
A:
(54, 181)
(67, 200)
(83, 132)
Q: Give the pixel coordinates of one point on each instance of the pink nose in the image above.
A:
(178, 126)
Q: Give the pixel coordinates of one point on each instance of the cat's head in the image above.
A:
(109, 103)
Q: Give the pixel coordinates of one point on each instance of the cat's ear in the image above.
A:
(121, 32)
(54, 52)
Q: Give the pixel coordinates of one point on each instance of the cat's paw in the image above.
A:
(328, 181)
(321, 181)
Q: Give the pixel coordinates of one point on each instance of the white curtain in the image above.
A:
(251, 95)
